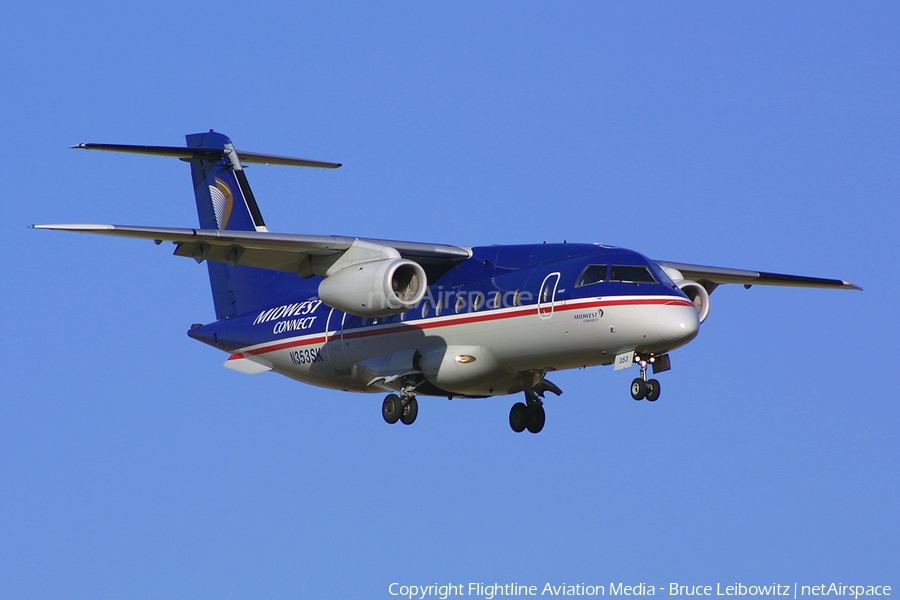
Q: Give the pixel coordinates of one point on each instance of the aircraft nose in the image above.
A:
(677, 323)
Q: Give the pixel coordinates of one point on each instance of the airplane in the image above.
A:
(419, 319)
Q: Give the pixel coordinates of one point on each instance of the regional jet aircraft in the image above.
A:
(416, 319)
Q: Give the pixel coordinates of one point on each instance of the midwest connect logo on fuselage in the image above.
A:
(301, 310)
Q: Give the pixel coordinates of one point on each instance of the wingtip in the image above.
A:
(88, 227)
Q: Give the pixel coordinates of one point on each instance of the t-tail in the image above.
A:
(225, 202)
(224, 198)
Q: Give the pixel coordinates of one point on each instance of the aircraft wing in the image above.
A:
(306, 255)
(710, 277)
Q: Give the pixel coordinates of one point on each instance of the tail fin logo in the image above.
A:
(223, 201)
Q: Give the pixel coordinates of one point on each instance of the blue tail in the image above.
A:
(224, 201)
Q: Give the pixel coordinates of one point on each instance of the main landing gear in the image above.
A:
(403, 408)
(530, 414)
(642, 387)
(400, 408)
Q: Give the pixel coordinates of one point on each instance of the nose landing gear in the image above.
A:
(642, 387)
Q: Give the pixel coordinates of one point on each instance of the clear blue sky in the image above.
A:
(760, 135)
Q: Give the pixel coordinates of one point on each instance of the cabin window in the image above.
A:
(425, 306)
(478, 302)
(497, 297)
(591, 274)
(460, 303)
(517, 297)
(631, 274)
(439, 307)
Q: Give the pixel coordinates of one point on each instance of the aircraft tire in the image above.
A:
(409, 412)
(653, 390)
(638, 389)
(538, 417)
(519, 417)
(392, 408)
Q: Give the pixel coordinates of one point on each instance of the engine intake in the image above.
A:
(375, 289)
(697, 294)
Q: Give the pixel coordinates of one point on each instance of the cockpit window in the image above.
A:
(631, 274)
(591, 274)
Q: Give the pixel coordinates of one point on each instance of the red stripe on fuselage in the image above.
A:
(463, 320)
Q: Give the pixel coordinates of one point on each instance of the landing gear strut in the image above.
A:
(642, 387)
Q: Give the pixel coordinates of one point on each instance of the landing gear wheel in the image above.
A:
(639, 389)
(392, 408)
(537, 418)
(410, 412)
(652, 390)
(519, 417)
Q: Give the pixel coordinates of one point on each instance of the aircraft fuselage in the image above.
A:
(493, 324)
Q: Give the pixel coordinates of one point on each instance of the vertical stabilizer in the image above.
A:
(225, 202)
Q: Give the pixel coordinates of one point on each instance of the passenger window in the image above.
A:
(631, 274)
(591, 274)
(425, 310)
(497, 300)
(460, 303)
(439, 307)
(478, 302)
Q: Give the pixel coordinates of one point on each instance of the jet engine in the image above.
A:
(376, 288)
(697, 294)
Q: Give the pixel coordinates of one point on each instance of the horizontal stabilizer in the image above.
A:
(210, 154)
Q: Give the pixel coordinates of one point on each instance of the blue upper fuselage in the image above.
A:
(494, 277)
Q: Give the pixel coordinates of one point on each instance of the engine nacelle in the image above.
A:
(697, 294)
(375, 289)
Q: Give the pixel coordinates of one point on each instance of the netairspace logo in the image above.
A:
(490, 591)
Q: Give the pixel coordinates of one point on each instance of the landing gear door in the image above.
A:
(547, 295)
(334, 342)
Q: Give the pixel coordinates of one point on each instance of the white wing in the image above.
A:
(711, 277)
(306, 255)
